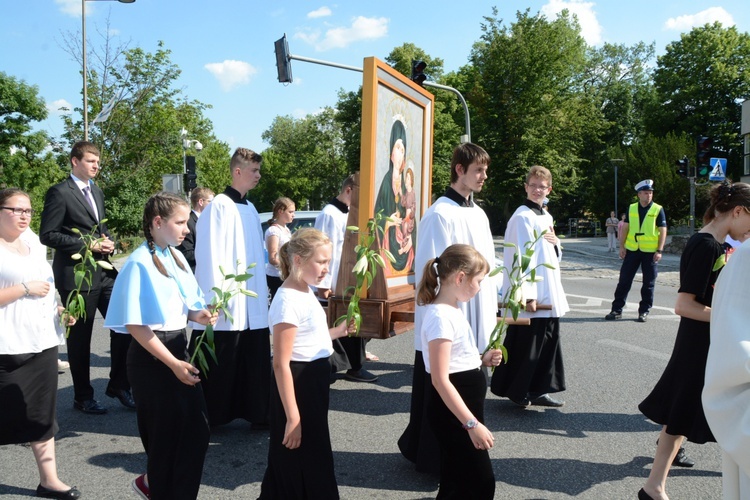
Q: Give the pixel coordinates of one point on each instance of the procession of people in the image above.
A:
(272, 351)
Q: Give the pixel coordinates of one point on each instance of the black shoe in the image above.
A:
(523, 403)
(71, 494)
(682, 460)
(123, 395)
(613, 315)
(546, 400)
(90, 406)
(642, 495)
(642, 317)
(360, 375)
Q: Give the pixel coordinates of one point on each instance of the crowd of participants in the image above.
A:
(274, 359)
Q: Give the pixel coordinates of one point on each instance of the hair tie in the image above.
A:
(436, 263)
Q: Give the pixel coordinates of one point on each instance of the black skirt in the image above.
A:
(172, 420)
(237, 387)
(465, 472)
(675, 401)
(307, 471)
(28, 396)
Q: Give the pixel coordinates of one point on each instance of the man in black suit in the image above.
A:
(78, 203)
(199, 199)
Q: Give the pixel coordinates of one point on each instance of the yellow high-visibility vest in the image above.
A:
(646, 238)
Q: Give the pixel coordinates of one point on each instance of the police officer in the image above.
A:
(641, 245)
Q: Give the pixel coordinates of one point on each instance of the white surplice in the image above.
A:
(442, 225)
(521, 228)
(726, 392)
(230, 235)
(332, 222)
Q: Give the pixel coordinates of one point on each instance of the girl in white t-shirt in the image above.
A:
(300, 458)
(459, 385)
(276, 235)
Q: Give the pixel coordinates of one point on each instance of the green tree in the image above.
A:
(700, 82)
(26, 161)
(141, 142)
(525, 84)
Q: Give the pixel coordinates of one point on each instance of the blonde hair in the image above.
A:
(539, 172)
(456, 258)
(279, 206)
(304, 242)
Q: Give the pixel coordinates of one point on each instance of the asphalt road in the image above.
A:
(597, 446)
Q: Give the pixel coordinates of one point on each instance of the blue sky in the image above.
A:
(225, 47)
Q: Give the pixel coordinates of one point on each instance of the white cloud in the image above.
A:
(591, 30)
(321, 12)
(362, 28)
(231, 74)
(55, 107)
(71, 7)
(689, 21)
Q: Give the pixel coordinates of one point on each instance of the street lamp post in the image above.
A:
(85, 82)
(614, 163)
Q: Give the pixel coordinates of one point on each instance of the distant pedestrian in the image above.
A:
(276, 235)
(453, 360)
(641, 245)
(199, 199)
(620, 223)
(154, 296)
(300, 457)
(675, 401)
(611, 225)
(535, 364)
(28, 343)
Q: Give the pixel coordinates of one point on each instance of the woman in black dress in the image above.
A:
(675, 401)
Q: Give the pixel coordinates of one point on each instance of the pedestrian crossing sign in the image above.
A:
(718, 169)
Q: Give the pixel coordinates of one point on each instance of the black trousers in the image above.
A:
(465, 472)
(172, 420)
(79, 344)
(633, 260)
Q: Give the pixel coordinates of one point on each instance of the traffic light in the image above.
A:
(417, 72)
(283, 63)
(191, 176)
(683, 167)
(703, 156)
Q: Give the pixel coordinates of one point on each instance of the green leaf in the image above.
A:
(525, 261)
(720, 262)
(388, 255)
(497, 271)
(242, 277)
(549, 265)
(75, 230)
(353, 229)
(248, 293)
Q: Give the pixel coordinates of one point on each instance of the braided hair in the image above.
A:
(161, 204)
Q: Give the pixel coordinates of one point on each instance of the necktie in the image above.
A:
(90, 199)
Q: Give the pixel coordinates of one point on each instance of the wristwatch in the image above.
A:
(470, 424)
(659, 251)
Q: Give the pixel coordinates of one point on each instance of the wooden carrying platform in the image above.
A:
(386, 312)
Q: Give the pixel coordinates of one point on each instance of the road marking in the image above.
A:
(630, 306)
(638, 350)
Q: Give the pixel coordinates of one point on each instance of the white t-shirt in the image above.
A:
(313, 341)
(29, 324)
(442, 321)
(283, 234)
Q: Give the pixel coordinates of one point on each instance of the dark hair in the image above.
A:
(244, 156)
(304, 242)
(82, 147)
(726, 196)
(199, 194)
(8, 193)
(279, 206)
(161, 204)
(455, 258)
(465, 154)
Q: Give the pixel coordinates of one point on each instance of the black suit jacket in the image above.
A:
(188, 244)
(66, 208)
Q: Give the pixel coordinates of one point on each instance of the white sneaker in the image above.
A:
(62, 365)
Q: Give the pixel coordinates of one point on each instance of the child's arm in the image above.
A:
(184, 371)
(440, 353)
(283, 342)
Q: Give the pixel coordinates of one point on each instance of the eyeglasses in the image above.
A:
(28, 212)
(537, 186)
